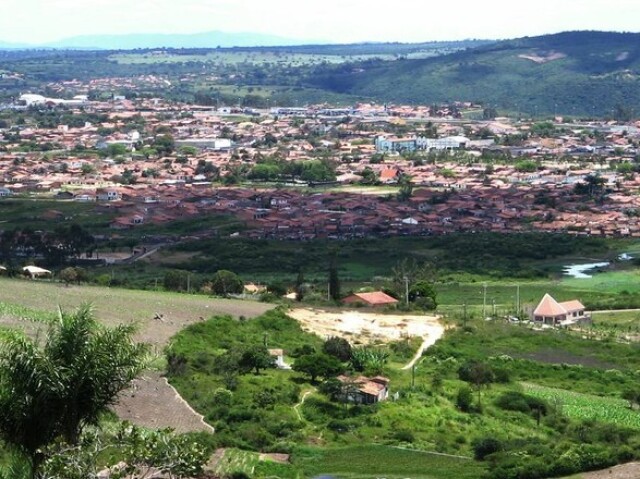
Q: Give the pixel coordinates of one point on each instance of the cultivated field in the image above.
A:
(587, 406)
(116, 306)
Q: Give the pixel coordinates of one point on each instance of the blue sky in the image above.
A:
(37, 21)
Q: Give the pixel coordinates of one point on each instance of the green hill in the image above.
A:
(582, 72)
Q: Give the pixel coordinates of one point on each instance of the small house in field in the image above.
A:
(552, 313)
(36, 272)
(251, 288)
(278, 355)
(375, 299)
(364, 390)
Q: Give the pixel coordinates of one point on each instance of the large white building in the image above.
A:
(388, 144)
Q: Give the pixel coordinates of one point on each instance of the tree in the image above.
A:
(300, 288)
(318, 364)
(406, 188)
(334, 280)
(56, 390)
(478, 373)
(423, 294)
(175, 280)
(225, 282)
(73, 275)
(338, 348)
(256, 357)
(407, 273)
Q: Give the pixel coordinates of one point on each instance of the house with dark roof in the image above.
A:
(552, 313)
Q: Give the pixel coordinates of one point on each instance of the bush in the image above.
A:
(516, 401)
(404, 435)
(485, 446)
(464, 399)
(338, 348)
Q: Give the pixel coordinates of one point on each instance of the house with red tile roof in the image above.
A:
(375, 299)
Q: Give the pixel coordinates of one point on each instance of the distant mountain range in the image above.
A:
(149, 40)
(573, 72)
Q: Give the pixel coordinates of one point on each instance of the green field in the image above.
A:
(371, 461)
(38, 300)
(586, 406)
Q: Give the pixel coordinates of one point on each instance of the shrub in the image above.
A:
(484, 446)
(464, 399)
(404, 435)
(517, 401)
(338, 348)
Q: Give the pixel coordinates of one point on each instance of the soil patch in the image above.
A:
(153, 403)
(361, 327)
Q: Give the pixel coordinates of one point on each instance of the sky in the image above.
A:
(41, 21)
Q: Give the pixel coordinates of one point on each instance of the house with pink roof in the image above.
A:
(552, 313)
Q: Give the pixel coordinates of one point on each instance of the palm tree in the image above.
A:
(56, 390)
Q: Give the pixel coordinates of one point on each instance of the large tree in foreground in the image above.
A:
(53, 390)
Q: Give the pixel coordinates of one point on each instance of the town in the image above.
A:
(304, 173)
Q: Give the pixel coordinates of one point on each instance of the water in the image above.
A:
(578, 271)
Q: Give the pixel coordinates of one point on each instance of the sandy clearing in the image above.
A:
(361, 327)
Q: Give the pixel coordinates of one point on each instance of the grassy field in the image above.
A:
(370, 461)
(38, 299)
(586, 406)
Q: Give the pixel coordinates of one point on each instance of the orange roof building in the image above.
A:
(375, 299)
(550, 312)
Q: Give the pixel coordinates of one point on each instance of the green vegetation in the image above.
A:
(249, 410)
(368, 461)
(586, 406)
(434, 409)
(588, 75)
(56, 391)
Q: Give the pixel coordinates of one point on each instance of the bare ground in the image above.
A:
(152, 402)
(364, 327)
(623, 471)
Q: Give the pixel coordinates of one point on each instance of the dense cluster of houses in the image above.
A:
(449, 194)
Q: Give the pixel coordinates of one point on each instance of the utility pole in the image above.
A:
(518, 301)
(406, 290)
(484, 300)
(188, 283)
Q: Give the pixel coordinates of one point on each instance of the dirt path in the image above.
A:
(297, 407)
(425, 344)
